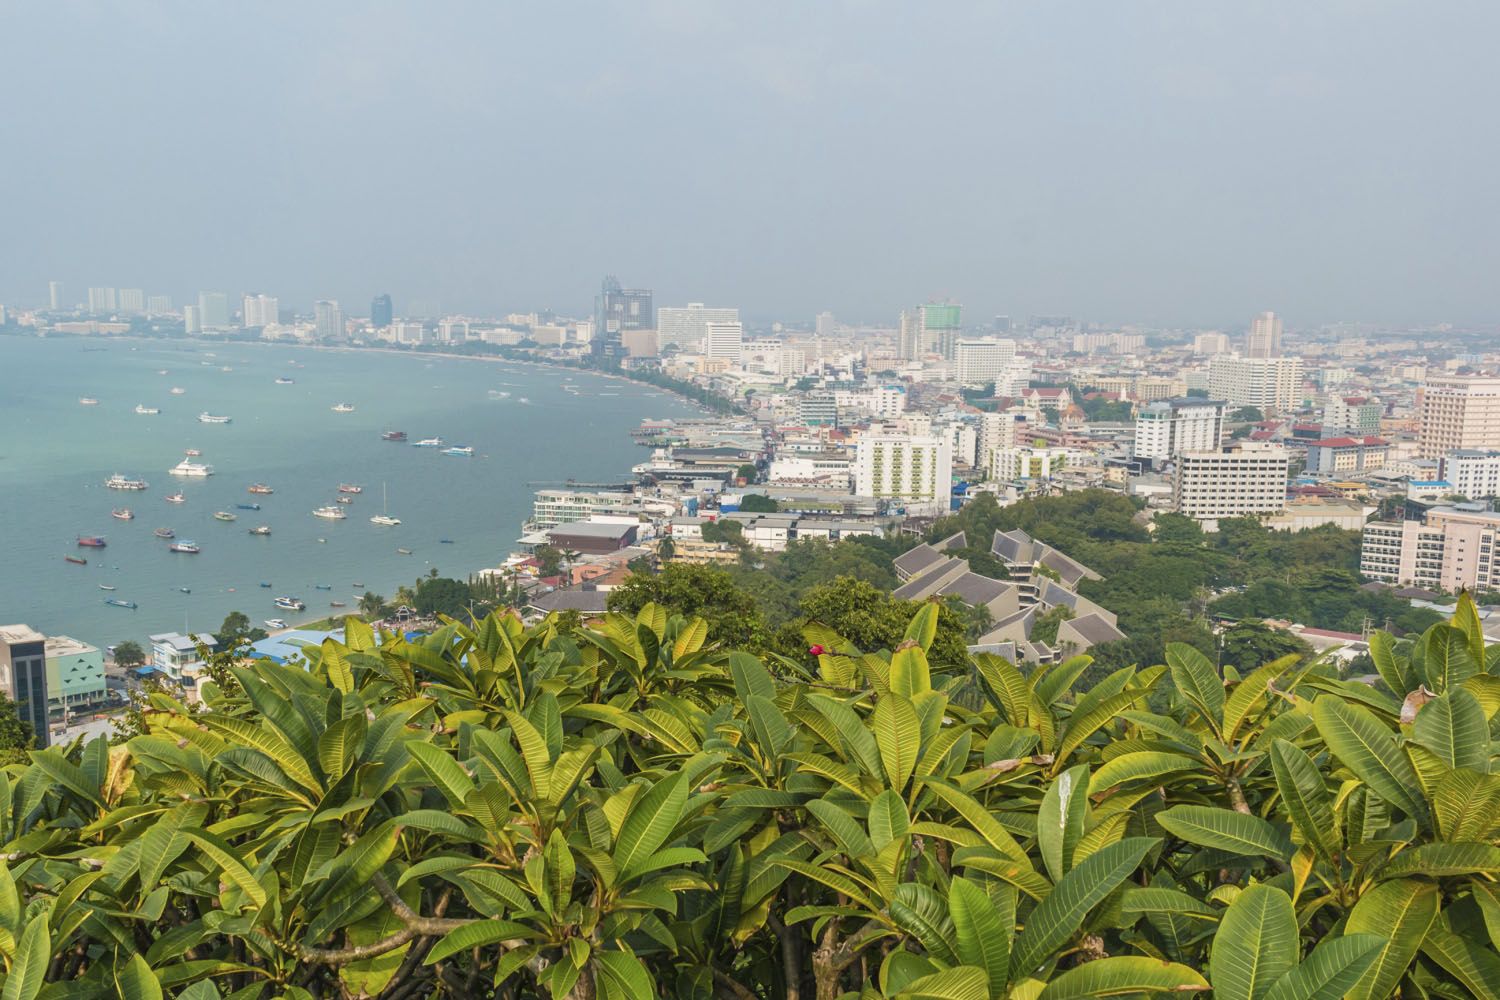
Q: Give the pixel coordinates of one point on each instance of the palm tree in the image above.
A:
(666, 548)
(569, 555)
(371, 604)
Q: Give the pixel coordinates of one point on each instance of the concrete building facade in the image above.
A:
(1246, 479)
(1459, 413)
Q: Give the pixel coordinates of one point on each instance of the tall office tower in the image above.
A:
(1264, 339)
(618, 309)
(825, 325)
(980, 362)
(260, 310)
(1264, 383)
(55, 296)
(723, 340)
(192, 320)
(940, 327)
(158, 304)
(328, 319)
(380, 312)
(1247, 478)
(132, 300)
(1169, 427)
(917, 469)
(1002, 324)
(23, 676)
(1459, 412)
(1208, 344)
(101, 300)
(213, 310)
(912, 346)
(686, 325)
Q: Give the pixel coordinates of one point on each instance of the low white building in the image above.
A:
(1473, 474)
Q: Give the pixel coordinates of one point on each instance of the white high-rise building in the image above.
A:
(1027, 462)
(328, 318)
(55, 296)
(191, 321)
(213, 310)
(1209, 344)
(132, 300)
(686, 326)
(101, 300)
(156, 305)
(825, 325)
(1264, 339)
(723, 340)
(260, 310)
(1169, 427)
(1264, 383)
(912, 345)
(1459, 413)
(1004, 429)
(1472, 474)
(1247, 478)
(982, 361)
(915, 470)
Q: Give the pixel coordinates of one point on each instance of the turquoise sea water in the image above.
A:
(55, 455)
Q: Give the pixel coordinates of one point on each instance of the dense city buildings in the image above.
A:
(941, 328)
(911, 468)
(686, 326)
(1459, 413)
(1341, 455)
(1167, 428)
(723, 340)
(1452, 548)
(616, 310)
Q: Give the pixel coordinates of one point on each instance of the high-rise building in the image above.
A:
(617, 309)
(55, 296)
(686, 325)
(1209, 344)
(914, 469)
(1352, 415)
(1247, 478)
(825, 325)
(980, 362)
(156, 305)
(101, 300)
(912, 345)
(380, 311)
(23, 676)
(260, 310)
(1003, 429)
(1264, 383)
(192, 321)
(941, 328)
(1472, 474)
(1448, 548)
(1264, 338)
(1459, 413)
(723, 340)
(213, 311)
(1169, 427)
(328, 319)
(132, 300)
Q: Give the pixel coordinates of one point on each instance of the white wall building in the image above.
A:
(1264, 383)
(1473, 474)
(1169, 427)
(1264, 339)
(132, 300)
(888, 401)
(685, 326)
(1026, 462)
(979, 362)
(1246, 479)
(917, 469)
(261, 310)
(723, 340)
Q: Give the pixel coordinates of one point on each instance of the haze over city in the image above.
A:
(1167, 163)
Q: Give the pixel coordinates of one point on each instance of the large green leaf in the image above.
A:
(1255, 945)
(1394, 670)
(452, 780)
(1443, 859)
(898, 734)
(1453, 726)
(651, 820)
(1127, 975)
(225, 858)
(476, 935)
(136, 980)
(1225, 830)
(960, 983)
(1365, 746)
(919, 911)
(982, 930)
(1060, 820)
(1334, 966)
(1466, 959)
(28, 969)
(888, 819)
(1139, 765)
(1401, 912)
(1446, 658)
(1061, 914)
(1196, 680)
(842, 827)
(1306, 798)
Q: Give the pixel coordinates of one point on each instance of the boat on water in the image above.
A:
(178, 390)
(445, 541)
(123, 513)
(106, 586)
(146, 411)
(223, 515)
(393, 436)
(185, 590)
(463, 450)
(191, 469)
(261, 488)
(264, 529)
(186, 545)
(162, 371)
(88, 401)
(213, 418)
(343, 499)
(289, 604)
(336, 604)
(350, 488)
(275, 623)
(78, 560)
(120, 604)
(91, 541)
(323, 586)
(429, 443)
(357, 586)
(247, 506)
(404, 552)
(175, 498)
(165, 533)
(119, 482)
(343, 408)
(331, 511)
(385, 520)
(284, 381)
(191, 452)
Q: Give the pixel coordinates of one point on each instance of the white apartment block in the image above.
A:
(1264, 383)
(1246, 479)
(1264, 339)
(1459, 414)
(686, 326)
(553, 507)
(723, 340)
(1004, 429)
(1169, 427)
(917, 469)
(963, 442)
(979, 362)
(1448, 548)
(1025, 462)
(1209, 344)
(1473, 474)
(260, 310)
(132, 300)
(1351, 415)
(156, 305)
(101, 300)
(888, 401)
(831, 470)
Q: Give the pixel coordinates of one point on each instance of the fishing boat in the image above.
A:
(275, 623)
(289, 604)
(393, 436)
(428, 443)
(214, 418)
(195, 470)
(404, 552)
(336, 604)
(123, 513)
(357, 586)
(266, 585)
(323, 586)
(120, 604)
(178, 390)
(146, 411)
(119, 482)
(106, 586)
(79, 560)
(343, 499)
(91, 541)
(164, 533)
(247, 506)
(261, 488)
(88, 401)
(175, 498)
(283, 381)
(187, 546)
(445, 541)
(223, 515)
(350, 488)
(332, 512)
(462, 450)
(343, 408)
(264, 529)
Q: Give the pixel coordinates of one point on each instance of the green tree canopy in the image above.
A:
(129, 655)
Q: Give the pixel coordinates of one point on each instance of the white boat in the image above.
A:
(275, 623)
(212, 418)
(119, 482)
(283, 381)
(344, 408)
(289, 604)
(384, 518)
(146, 411)
(88, 401)
(196, 469)
(429, 443)
(464, 450)
(178, 390)
(331, 511)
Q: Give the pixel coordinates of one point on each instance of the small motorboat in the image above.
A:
(357, 586)
(322, 586)
(79, 560)
(175, 498)
(120, 604)
(123, 513)
(336, 604)
(164, 533)
(247, 506)
(185, 590)
(445, 541)
(266, 585)
(106, 586)
(223, 515)
(404, 552)
(264, 529)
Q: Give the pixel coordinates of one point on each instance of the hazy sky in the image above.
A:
(1169, 162)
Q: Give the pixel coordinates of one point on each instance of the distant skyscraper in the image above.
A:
(1264, 339)
(158, 304)
(55, 295)
(213, 310)
(1002, 324)
(259, 310)
(618, 309)
(191, 320)
(912, 346)
(687, 325)
(102, 300)
(380, 312)
(825, 324)
(723, 340)
(328, 319)
(132, 300)
(941, 328)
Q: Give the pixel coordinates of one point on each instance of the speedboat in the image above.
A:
(343, 499)
(331, 511)
(178, 390)
(264, 529)
(175, 498)
(78, 560)
(283, 381)
(247, 506)
(146, 411)
(404, 552)
(275, 623)
(344, 408)
(261, 488)
(120, 604)
(88, 401)
(266, 585)
(223, 515)
(106, 586)
(386, 520)
(191, 452)
(289, 604)
(323, 586)
(213, 418)
(463, 450)
(429, 443)
(350, 488)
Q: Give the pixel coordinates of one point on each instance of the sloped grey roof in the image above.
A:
(1054, 594)
(912, 590)
(975, 589)
(958, 541)
(918, 559)
(586, 601)
(1012, 546)
(1093, 628)
(1071, 570)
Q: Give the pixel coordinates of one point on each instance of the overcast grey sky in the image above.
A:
(1168, 162)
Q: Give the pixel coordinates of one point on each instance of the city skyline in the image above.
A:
(1174, 165)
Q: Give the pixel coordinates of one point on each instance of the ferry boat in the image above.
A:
(186, 545)
(119, 482)
(123, 513)
(261, 488)
(178, 390)
(332, 512)
(464, 450)
(88, 401)
(223, 515)
(186, 468)
(264, 529)
(429, 443)
(91, 541)
(289, 604)
(165, 533)
(344, 408)
(283, 381)
(386, 520)
(343, 499)
(393, 436)
(247, 506)
(213, 418)
(275, 623)
(120, 604)
(78, 560)
(146, 411)
(175, 498)
(350, 488)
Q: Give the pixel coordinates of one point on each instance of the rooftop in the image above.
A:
(13, 634)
